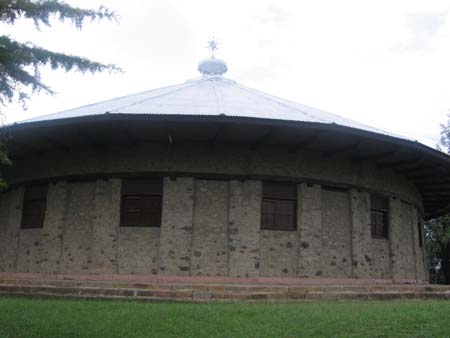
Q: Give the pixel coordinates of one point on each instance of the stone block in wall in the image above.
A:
(176, 226)
(361, 235)
(336, 234)
(244, 228)
(371, 257)
(52, 232)
(309, 222)
(401, 240)
(29, 250)
(380, 259)
(418, 250)
(105, 226)
(77, 233)
(210, 228)
(10, 218)
(138, 250)
(278, 253)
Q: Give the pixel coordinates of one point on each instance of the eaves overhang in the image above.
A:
(427, 168)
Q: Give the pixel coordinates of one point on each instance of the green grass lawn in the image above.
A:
(29, 318)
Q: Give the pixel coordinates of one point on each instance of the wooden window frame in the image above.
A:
(34, 206)
(379, 211)
(147, 196)
(277, 197)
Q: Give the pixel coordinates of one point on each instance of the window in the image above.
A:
(34, 205)
(379, 216)
(279, 206)
(141, 203)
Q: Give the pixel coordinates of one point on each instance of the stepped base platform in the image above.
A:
(205, 289)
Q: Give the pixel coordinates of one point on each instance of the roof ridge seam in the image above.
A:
(179, 87)
(218, 98)
(286, 103)
(277, 101)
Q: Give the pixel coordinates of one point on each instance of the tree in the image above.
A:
(438, 229)
(437, 232)
(445, 135)
(20, 62)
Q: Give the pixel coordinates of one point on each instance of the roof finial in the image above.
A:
(213, 46)
(212, 66)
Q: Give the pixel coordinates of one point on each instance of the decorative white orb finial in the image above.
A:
(212, 66)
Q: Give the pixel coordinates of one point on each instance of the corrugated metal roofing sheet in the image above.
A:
(209, 96)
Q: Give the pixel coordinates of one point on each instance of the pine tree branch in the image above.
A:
(16, 57)
(42, 11)
(19, 63)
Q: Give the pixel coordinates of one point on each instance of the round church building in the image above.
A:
(213, 178)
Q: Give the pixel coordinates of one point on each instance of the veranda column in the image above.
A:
(244, 228)
(176, 226)
(309, 222)
(361, 235)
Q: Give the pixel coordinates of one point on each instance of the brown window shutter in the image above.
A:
(379, 216)
(141, 203)
(279, 206)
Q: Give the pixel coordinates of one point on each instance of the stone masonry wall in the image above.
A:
(77, 233)
(29, 250)
(220, 159)
(421, 265)
(279, 253)
(52, 233)
(336, 234)
(212, 227)
(244, 228)
(361, 236)
(370, 256)
(10, 229)
(138, 250)
(209, 228)
(309, 217)
(176, 226)
(39, 250)
(401, 235)
(105, 231)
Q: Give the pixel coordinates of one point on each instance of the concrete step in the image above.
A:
(202, 291)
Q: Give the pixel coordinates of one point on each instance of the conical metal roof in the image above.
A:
(208, 104)
(209, 96)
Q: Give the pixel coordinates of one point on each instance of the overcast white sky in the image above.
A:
(384, 63)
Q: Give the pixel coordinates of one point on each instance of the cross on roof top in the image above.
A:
(212, 45)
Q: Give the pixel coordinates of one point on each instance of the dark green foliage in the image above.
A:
(438, 236)
(42, 11)
(445, 135)
(19, 62)
(16, 57)
(437, 231)
(35, 318)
